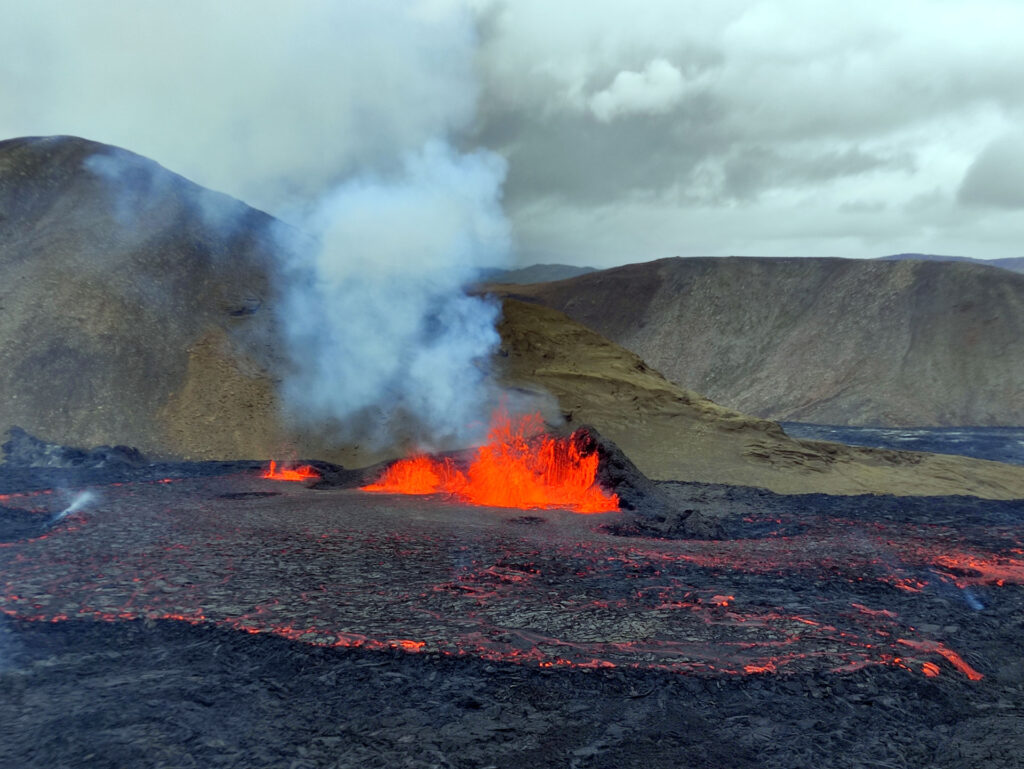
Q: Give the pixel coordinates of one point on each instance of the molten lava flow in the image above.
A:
(516, 468)
(302, 473)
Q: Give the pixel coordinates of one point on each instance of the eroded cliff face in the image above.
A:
(834, 341)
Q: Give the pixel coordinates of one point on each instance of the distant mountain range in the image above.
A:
(535, 273)
(1014, 263)
(887, 342)
(545, 273)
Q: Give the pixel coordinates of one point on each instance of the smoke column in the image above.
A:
(343, 118)
(383, 339)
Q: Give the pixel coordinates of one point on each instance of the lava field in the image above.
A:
(857, 617)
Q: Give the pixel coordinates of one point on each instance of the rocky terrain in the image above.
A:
(830, 341)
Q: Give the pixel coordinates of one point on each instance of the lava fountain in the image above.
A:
(520, 466)
(301, 473)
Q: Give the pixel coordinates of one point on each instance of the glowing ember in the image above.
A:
(302, 473)
(518, 467)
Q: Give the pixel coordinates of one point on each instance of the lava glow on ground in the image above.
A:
(345, 568)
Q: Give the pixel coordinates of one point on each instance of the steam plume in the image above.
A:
(377, 320)
(341, 118)
(80, 501)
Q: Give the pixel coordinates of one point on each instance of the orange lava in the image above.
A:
(302, 473)
(954, 659)
(518, 467)
(974, 569)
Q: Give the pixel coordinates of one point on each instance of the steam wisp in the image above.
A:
(79, 502)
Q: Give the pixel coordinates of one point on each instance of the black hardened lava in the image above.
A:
(163, 693)
(198, 615)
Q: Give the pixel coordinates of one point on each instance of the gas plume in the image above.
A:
(351, 122)
(381, 334)
(80, 501)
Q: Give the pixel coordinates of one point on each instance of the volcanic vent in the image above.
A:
(520, 466)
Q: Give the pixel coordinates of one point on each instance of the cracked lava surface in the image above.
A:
(341, 567)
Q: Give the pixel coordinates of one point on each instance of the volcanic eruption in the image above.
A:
(520, 466)
(300, 473)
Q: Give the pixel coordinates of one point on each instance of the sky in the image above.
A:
(629, 131)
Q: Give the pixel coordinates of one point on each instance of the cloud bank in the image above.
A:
(788, 127)
(630, 131)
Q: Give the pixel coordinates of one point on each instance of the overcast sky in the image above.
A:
(632, 130)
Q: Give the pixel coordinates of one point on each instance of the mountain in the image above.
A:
(1013, 263)
(125, 303)
(536, 273)
(146, 317)
(673, 433)
(831, 341)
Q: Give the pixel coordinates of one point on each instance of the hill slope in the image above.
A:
(672, 433)
(111, 294)
(153, 325)
(834, 341)
(536, 273)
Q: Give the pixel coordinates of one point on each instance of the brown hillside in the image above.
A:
(112, 305)
(834, 341)
(672, 433)
(141, 320)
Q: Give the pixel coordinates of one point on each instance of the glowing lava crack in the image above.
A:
(519, 467)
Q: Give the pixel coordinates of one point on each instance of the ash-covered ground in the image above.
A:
(199, 615)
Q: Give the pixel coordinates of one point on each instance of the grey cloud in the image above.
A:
(753, 170)
(996, 177)
(863, 207)
(573, 156)
(676, 105)
(767, 95)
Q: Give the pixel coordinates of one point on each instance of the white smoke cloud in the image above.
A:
(339, 116)
(79, 502)
(655, 90)
(377, 321)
